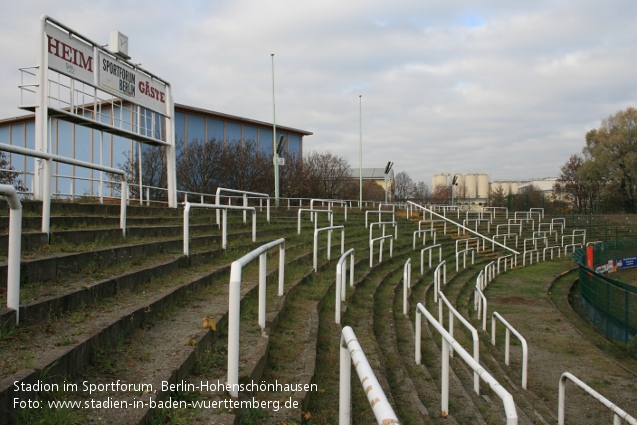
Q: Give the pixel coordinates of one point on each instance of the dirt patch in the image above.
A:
(514, 301)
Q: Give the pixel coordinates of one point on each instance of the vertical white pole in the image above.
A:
(338, 294)
(444, 387)
(275, 156)
(360, 152)
(418, 331)
(345, 383)
(224, 229)
(263, 262)
(281, 268)
(234, 314)
(171, 155)
(187, 229)
(13, 257)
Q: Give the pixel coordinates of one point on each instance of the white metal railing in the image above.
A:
(330, 204)
(459, 225)
(329, 231)
(438, 280)
(507, 342)
(477, 221)
(534, 240)
(351, 353)
(504, 257)
(573, 245)
(538, 210)
(530, 254)
(224, 222)
(15, 248)
(406, 283)
(341, 270)
(380, 251)
(481, 302)
(424, 236)
(508, 226)
(312, 211)
(245, 200)
(234, 303)
(467, 242)
(523, 220)
(447, 343)
(464, 257)
(551, 249)
(383, 225)
(559, 221)
(422, 256)
(504, 237)
(432, 222)
(618, 414)
(506, 210)
(474, 334)
(393, 216)
(47, 168)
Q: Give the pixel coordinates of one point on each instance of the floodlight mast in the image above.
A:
(360, 151)
(387, 170)
(275, 154)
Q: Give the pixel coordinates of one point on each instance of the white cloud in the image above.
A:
(506, 88)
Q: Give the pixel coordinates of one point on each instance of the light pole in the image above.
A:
(360, 151)
(275, 155)
(387, 170)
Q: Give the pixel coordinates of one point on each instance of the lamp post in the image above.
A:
(275, 155)
(360, 151)
(387, 170)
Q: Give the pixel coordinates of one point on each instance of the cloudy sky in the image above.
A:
(508, 88)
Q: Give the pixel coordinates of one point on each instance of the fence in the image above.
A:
(234, 303)
(608, 302)
(15, 249)
(352, 353)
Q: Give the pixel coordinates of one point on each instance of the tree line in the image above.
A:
(204, 166)
(603, 177)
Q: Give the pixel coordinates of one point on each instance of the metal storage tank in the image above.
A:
(439, 179)
(471, 185)
(483, 186)
(495, 187)
(514, 188)
(459, 181)
(506, 188)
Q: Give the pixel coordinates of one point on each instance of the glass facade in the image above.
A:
(75, 141)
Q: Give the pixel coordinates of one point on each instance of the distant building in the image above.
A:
(376, 175)
(79, 142)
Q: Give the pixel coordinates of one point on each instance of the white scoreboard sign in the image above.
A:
(75, 58)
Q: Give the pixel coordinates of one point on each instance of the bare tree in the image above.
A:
(8, 174)
(403, 187)
(421, 192)
(497, 197)
(199, 166)
(326, 175)
(153, 172)
(441, 195)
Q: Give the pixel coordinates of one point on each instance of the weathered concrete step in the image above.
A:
(56, 265)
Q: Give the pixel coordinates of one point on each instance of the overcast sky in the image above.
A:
(507, 88)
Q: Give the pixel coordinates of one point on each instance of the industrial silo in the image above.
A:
(496, 187)
(506, 188)
(439, 179)
(471, 185)
(483, 186)
(514, 188)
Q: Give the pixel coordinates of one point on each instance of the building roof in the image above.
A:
(187, 109)
(371, 173)
(191, 109)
